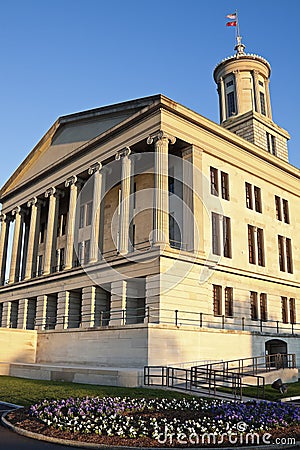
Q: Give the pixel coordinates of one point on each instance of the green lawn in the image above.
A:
(25, 392)
(272, 394)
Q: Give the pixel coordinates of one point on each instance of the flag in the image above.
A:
(231, 16)
(231, 24)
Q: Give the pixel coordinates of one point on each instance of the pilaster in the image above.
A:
(22, 313)
(41, 312)
(63, 310)
(118, 303)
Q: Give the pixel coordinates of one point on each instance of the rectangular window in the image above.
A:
(225, 185)
(251, 245)
(62, 225)
(260, 247)
(278, 207)
(281, 254)
(214, 185)
(285, 210)
(254, 305)
(228, 302)
(87, 249)
(249, 200)
(42, 233)
(227, 237)
(85, 215)
(217, 298)
(216, 245)
(81, 216)
(292, 310)
(134, 194)
(289, 258)
(257, 199)
(39, 269)
(271, 143)
(263, 307)
(88, 213)
(284, 310)
(171, 184)
(262, 103)
(231, 104)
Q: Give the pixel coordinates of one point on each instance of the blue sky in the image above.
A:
(59, 57)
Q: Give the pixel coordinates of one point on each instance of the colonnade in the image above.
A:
(25, 242)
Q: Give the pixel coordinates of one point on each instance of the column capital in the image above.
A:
(159, 136)
(96, 167)
(3, 217)
(34, 201)
(16, 210)
(50, 191)
(73, 180)
(126, 151)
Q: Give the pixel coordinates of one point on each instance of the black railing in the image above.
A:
(213, 382)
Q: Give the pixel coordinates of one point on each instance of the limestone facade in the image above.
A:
(143, 233)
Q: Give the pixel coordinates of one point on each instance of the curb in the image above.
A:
(70, 443)
(11, 405)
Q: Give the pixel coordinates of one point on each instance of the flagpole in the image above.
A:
(237, 25)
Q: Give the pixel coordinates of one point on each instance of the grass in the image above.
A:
(25, 392)
(272, 394)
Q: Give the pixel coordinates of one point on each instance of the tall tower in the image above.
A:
(245, 106)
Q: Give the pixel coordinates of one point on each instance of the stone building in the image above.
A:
(143, 233)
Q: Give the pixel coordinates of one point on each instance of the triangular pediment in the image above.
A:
(68, 134)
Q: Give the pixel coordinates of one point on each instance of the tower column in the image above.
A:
(5, 223)
(256, 91)
(268, 98)
(238, 91)
(71, 182)
(16, 247)
(161, 192)
(124, 219)
(222, 100)
(32, 240)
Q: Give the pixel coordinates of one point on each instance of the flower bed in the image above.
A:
(165, 422)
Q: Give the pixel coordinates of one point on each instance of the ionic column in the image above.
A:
(72, 183)
(99, 179)
(32, 240)
(16, 247)
(124, 219)
(5, 222)
(52, 194)
(161, 192)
